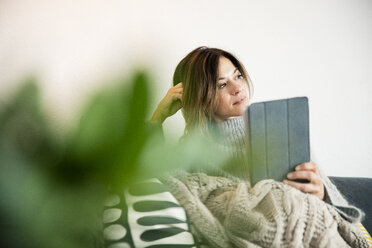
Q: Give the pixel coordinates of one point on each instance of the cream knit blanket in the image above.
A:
(226, 214)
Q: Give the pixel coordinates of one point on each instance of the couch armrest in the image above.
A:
(358, 192)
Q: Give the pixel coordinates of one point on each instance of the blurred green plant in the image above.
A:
(52, 190)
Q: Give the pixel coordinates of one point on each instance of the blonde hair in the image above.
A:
(198, 72)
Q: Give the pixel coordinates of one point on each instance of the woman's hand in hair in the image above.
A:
(308, 171)
(169, 105)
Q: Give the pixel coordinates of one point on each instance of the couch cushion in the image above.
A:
(145, 215)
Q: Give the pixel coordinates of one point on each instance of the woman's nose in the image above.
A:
(236, 88)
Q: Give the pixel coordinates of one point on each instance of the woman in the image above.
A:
(212, 87)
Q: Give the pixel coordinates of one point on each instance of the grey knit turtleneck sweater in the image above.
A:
(232, 138)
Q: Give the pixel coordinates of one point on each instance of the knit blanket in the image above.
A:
(225, 213)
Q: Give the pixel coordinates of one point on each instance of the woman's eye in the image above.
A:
(240, 76)
(222, 86)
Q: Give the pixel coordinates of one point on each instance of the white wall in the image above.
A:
(321, 49)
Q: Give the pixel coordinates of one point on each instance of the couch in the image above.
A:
(358, 192)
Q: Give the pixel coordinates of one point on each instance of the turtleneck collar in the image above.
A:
(232, 130)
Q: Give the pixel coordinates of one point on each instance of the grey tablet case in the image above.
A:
(278, 137)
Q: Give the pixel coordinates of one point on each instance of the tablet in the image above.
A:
(278, 137)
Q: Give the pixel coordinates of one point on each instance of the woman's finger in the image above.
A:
(304, 187)
(309, 166)
(177, 90)
(178, 95)
(308, 175)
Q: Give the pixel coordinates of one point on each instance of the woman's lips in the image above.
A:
(240, 101)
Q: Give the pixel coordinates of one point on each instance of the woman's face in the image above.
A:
(232, 91)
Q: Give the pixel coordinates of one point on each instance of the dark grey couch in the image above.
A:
(358, 191)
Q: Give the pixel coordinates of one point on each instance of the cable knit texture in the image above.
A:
(226, 213)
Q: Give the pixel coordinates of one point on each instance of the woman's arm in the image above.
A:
(323, 188)
(169, 105)
(334, 197)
